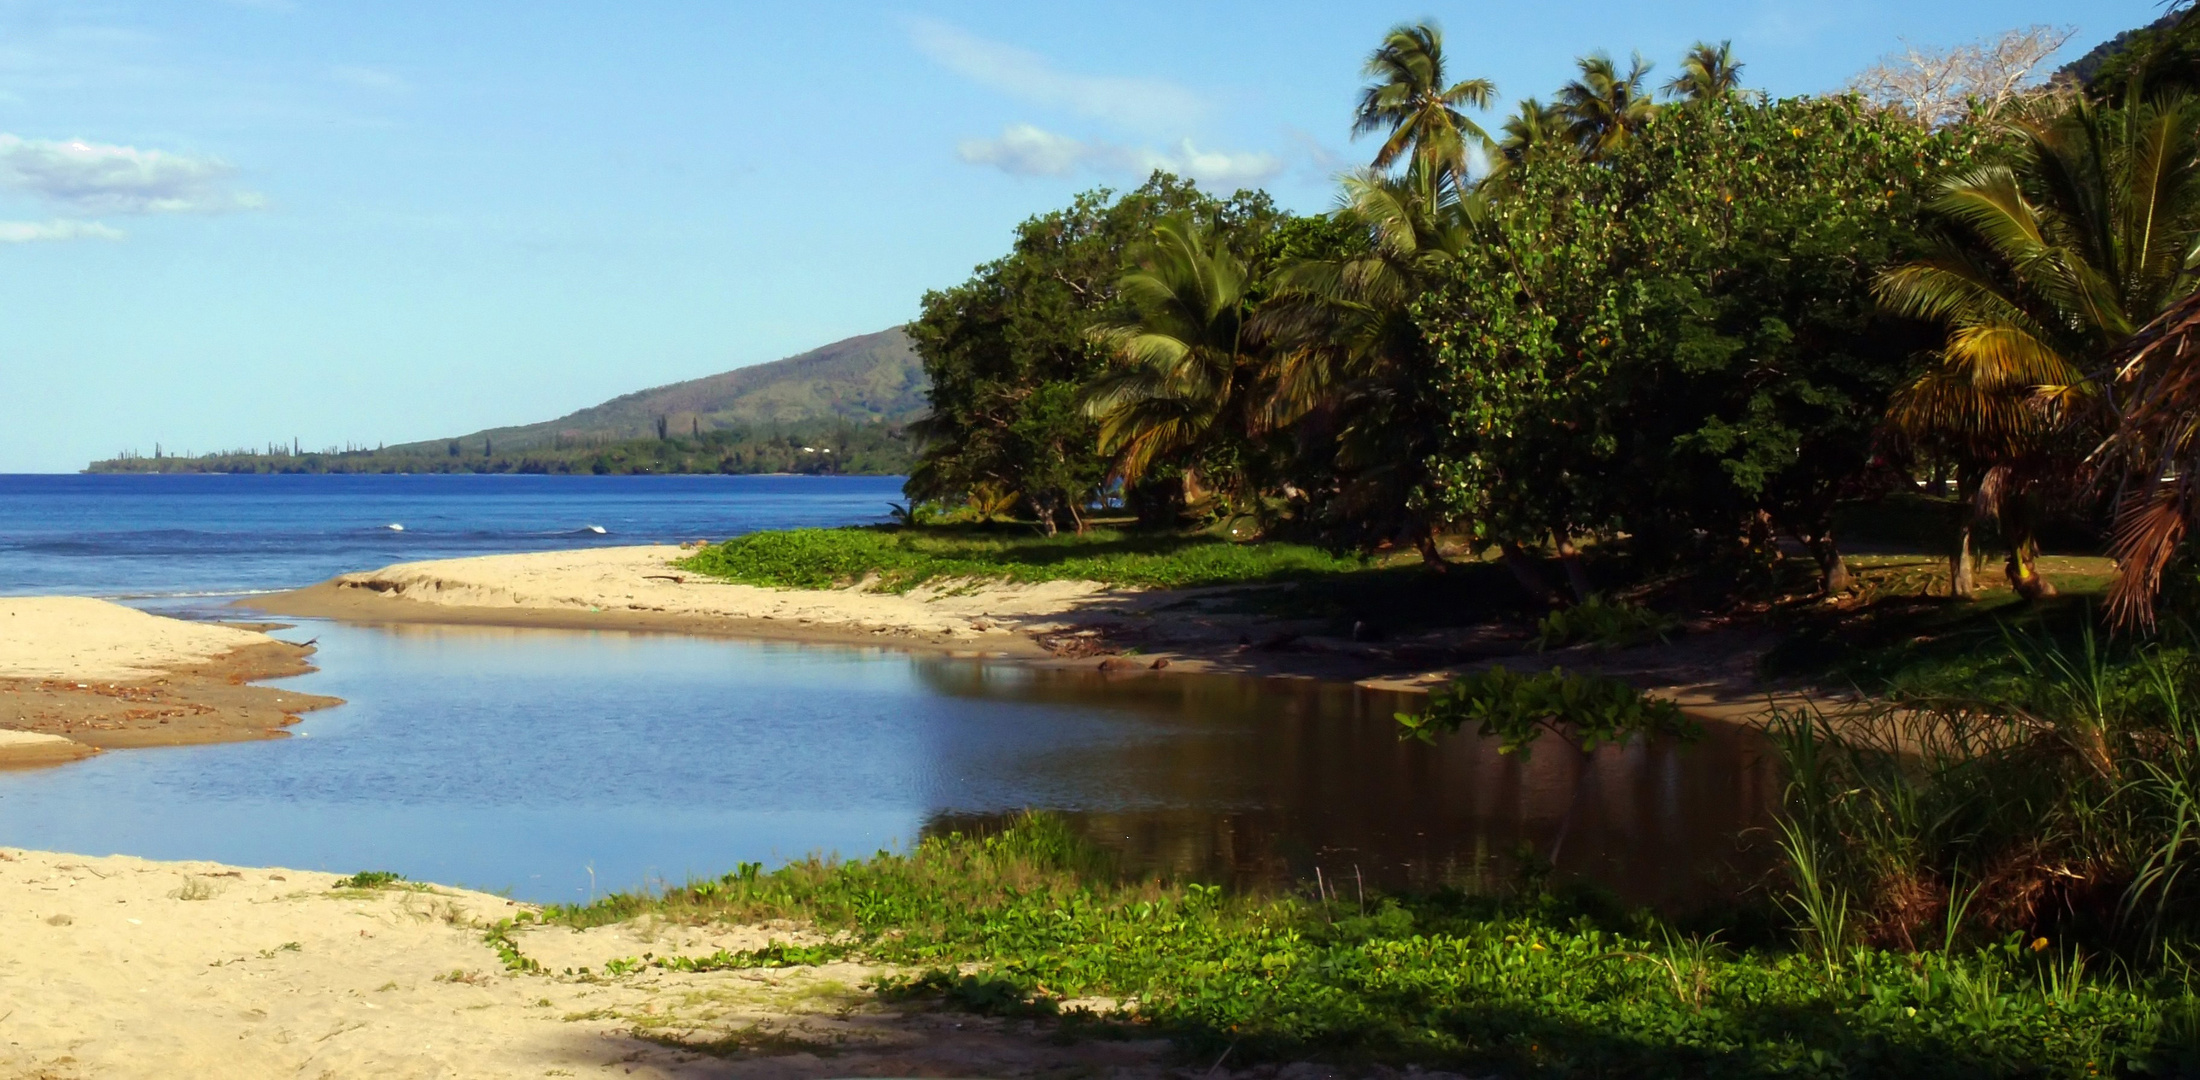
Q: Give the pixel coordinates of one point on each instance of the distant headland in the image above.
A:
(839, 409)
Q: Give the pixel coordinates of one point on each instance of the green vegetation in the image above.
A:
(368, 879)
(1586, 711)
(902, 558)
(1601, 621)
(1529, 984)
(817, 448)
(2044, 784)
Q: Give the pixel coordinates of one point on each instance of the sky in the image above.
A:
(230, 223)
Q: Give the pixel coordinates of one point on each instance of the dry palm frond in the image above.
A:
(2157, 444)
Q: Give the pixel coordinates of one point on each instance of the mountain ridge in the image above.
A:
(868, 378)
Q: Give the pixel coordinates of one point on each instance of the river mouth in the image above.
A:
(559, 764)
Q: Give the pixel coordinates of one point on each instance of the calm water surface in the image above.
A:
(556, 763)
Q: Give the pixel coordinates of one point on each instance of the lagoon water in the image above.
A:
(559, 763)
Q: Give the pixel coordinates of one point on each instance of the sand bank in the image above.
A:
(79, 675)
(121, 967)
(638, 587)
(1128, 632)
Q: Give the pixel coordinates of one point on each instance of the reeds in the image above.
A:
(2059, 801)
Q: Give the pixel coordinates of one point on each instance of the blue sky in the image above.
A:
(234, 222)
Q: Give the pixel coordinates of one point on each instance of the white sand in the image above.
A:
(642, 579)
(120, 967)
(75, 637)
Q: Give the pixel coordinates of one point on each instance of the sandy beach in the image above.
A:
(639, 588)
(1122, 630)
(125, 967)
(78, 676)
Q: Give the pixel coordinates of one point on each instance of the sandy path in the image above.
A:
(120, 967)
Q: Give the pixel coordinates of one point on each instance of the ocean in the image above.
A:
(170, 538)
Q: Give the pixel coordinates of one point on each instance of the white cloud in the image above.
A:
(1025, 150)
(26, 232)
(99, 178)
(369, 78)
(1142, 104)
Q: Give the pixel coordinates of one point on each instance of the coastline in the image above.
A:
(1061, 623)
(82, 676)
(1124, 632)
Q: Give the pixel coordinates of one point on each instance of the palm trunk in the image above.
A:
(1525, 571)
(2023, 568)
(1960, 585)
(1577, 577)
(1432, 557)
(1833, 574)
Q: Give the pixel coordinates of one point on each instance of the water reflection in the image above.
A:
(1266, 781)
(555, 763)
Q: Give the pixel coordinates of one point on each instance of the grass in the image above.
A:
(1901, 632)
(1016, 922)
(901, 558)
(368, 879)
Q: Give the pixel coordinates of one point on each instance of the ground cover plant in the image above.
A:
(899, 559)
(1531, 984)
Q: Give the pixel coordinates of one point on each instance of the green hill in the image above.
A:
(874, 377)
(836, 409)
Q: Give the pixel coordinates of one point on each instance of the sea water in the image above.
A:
(138, 536)
(559, 763)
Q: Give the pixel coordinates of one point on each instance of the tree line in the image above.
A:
(1683, 317)
(826, 447)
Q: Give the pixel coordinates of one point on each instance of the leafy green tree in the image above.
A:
(2159, 58)
(1008, 358)
(1418, 112)
(1679, 341)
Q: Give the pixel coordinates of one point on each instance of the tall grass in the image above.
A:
(2058, 801)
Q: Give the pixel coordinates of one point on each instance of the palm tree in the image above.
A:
(1344, 343)
(1185, 379)
(1708, 72)
(1531, 130)
(2047, 267)
(1419, 114)
(1603, 108)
